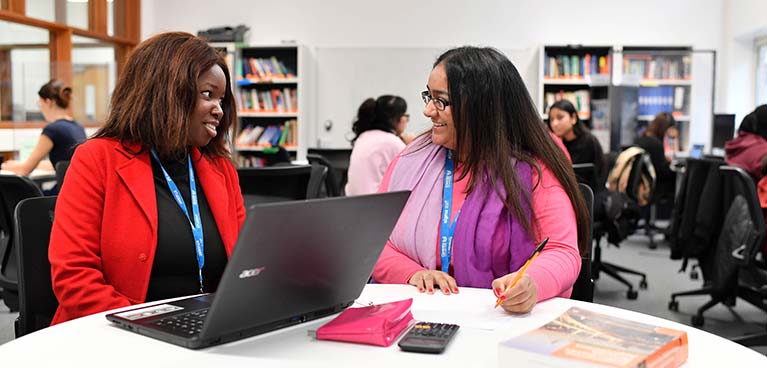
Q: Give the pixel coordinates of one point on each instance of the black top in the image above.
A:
(585, 149)
(65, 134)
(664, 176)
(174, 270)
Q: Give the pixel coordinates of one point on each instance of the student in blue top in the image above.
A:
(59, 138)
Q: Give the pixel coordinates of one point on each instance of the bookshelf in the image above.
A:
(623, 94)
(678, 80)
(580, 74)
(269, 94)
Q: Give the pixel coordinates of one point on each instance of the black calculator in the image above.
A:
(428, 337)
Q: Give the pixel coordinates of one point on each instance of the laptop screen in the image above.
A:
(696, 151)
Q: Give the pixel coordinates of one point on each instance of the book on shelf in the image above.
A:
(575, 66)
(268, 136)
(263, 69)
(654, 100)
(274, 100)
(583, 338)
(580, 99)
(651, 67)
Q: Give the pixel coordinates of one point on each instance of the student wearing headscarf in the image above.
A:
(749, 147)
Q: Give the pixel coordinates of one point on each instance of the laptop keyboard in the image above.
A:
(185, 324)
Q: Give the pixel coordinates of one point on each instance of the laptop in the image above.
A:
(293, 262)
(696, 151)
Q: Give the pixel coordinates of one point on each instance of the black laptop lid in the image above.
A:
(298, 258)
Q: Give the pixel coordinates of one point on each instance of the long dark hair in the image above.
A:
(495, 120)
(578, 128)
(659, 126)
(382, 114)
(157, 93)
(56, 91)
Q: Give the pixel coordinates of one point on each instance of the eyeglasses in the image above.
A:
(439, 103)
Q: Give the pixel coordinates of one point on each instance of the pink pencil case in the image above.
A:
(374, 325)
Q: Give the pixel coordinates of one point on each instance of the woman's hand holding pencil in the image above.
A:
(517, 292)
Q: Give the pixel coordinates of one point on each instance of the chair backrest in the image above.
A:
(61, 171)
(698, 212)
(339, 158)
(13, 189)
(332, 188)
(740, 190)
(279, 183)
(583, 289)
(37, 303)
(586, 173)
(641, 183)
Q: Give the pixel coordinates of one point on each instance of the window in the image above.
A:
(761, 71)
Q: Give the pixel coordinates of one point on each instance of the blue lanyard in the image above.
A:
(447, 229)
(199, 242)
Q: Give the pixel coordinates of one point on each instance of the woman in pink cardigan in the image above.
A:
(459, 228)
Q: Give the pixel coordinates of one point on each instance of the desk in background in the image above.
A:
(93, 342)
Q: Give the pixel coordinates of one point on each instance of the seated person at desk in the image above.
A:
(651, 141)
(487, 140)
(122, 235)
(59, 137)
(379, 126)
(582, 146)
(750, 146)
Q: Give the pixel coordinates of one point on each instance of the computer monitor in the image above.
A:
(724, 129)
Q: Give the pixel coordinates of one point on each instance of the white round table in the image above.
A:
(93, 342)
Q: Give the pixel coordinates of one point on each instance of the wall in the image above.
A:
(744, 21)
(518, 25)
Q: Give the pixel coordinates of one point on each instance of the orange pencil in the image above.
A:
(523, 269)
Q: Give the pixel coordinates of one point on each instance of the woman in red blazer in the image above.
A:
(151, 205)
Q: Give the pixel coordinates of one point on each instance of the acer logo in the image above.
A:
(251, 272)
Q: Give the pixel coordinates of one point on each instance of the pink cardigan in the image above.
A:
(554, 270)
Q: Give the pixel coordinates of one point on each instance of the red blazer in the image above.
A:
(104, 234)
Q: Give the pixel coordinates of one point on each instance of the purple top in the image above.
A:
(489, 242)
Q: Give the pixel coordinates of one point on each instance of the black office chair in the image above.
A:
(583, 289)
(13, 189)
(639, 167)
(586, 173)
(752, 275)
(37, 303)
(61, 171)
(280, 183)
(735, 271)
(339, 158)
(332, 188)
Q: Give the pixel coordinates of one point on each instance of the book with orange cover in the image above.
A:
(583, 338)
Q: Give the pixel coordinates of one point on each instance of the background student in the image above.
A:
(582, 146)
(490, 183)
(59, 137)
(652, 142)
(120, 237)
(378, 131)
(750, 146)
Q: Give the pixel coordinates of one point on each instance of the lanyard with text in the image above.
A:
(447, 229)
(199, 243)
